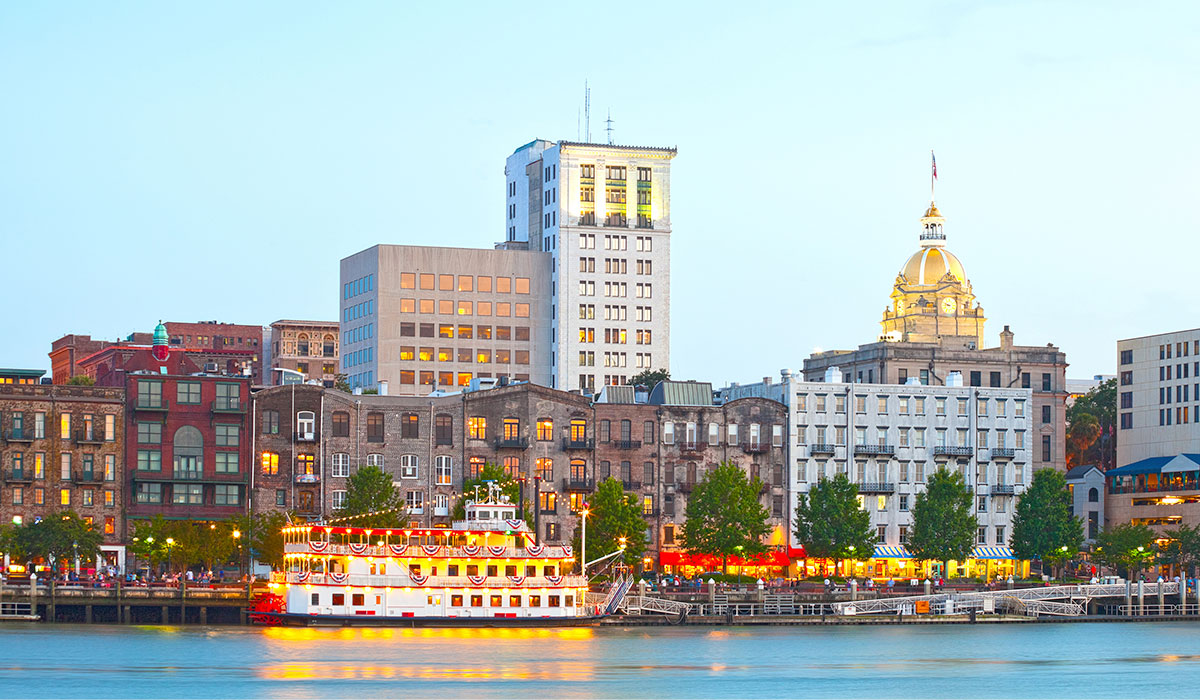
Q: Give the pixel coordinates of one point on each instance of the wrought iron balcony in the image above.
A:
(952, 450)
(1004, 452)
(822, 448)
(19, 475)
(692, 448)
(877, 487)
(306, 436)
(874, 449)
(89, 437)
(228, 406)
(578, 483)
(578, 444)
(188, 475)
(19, 435)
(150, 404)
(627, 444)
(518, 443)
(94, 476)
(685, 486)
(1003, 490)
(755, 447)
(631, 485)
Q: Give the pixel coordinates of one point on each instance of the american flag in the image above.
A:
(934, 158)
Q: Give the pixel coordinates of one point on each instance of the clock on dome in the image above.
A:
(948, 306)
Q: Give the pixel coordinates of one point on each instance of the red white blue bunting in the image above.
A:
(554, 580)
(431, 549)
(476, 580)
(317, 546)
(398, 549)
(497, 551)
(418, 579)
(535, 550)
(471, 550)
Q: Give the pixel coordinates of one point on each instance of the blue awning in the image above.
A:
(993, 553)
(883, 551)
(1152, 465)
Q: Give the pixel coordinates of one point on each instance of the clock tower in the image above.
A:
(931, 297)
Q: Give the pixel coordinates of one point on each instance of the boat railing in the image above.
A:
(414, 551)
(402, 581)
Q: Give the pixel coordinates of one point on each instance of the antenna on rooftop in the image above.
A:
(587, 113)
(608, 126)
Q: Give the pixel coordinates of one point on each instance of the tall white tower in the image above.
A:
(603, 212)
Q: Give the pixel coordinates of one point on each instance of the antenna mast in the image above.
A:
(608, 126)
(587, 113)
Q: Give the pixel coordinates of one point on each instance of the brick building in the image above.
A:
(229, 348)
(308, 347)
(288, 440)
(63, 449)
(188, 452)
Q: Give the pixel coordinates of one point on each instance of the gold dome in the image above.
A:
(932, 211)
(929, 265)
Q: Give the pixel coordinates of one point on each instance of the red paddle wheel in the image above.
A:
(265, 609)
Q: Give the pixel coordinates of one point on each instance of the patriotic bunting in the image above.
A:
(398, 549)
(497, 551)
(431, 549)
(535, 550)
(317, 546)
(476, 580)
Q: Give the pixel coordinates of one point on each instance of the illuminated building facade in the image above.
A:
(304, 349)
(1157, 479)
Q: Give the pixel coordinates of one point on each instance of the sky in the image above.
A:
(199, 161)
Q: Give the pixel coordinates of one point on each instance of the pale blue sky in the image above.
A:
(215, 160)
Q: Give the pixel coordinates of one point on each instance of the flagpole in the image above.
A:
(932, 174)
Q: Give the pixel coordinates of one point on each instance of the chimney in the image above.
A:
(1006, 338)
(383, 387)
(767, 380)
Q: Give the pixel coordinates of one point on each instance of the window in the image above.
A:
(668, 433)
(444, 468)
(1046, 381)
(1046, 414)
(410, 424)
(149, 460)
(1045, 448)
(228, 397)
(65, 426)
(227, 463)
(1127, 357)
(227, 435)
(187, 494)
(981, 537)
(306, 424)
(443, 429)
(270, 463)
(477, 428)
(226, 495)
(340, 464)
(341, 424)
(188, 453)
(110, 467)
(339, 502)
(545, 429)
(270, 422)
(149, 493)
(375, 427)
(474, 467)
(187, 392)
(149, 433)
(408, 466)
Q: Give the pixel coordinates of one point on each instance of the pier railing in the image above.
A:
(414, 551)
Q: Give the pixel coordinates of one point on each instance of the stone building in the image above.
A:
(934, 326)
(63, 449)
(309, 348)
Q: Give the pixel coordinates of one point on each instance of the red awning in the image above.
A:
(773, 558)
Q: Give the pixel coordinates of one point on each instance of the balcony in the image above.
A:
(874, 449)
(627, 444)
(18, 475)
(1004, 452)
(822, 448)
(305, 436)
(308, 478)
(151, 404)
(416, 510)
(187, 475)
(90, 477)
(588, 219)
(877, 487)
(441, 511)
(685, 486)
(577, 483)
(1004, 490)
(952, 451)
(578, 444)
(515, 443)
(755, 447)
(693, 448)
(228, 406)
(19, 436)
(631, 485)
(89, 437)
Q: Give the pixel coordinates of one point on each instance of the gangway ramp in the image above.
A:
(1043, 600)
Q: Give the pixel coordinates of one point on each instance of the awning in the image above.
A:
(883, 551)
(992, 553)
(1181, 463)
(773, 558)
(796, 553)
(1152, 465)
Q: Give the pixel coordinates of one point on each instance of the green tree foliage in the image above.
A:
(1092, 422)
(831, 524)
(724, 515)
(57, 539)
(649, 377)
(184, 544)
(1043, 527)
(612, 514)
(340, 382)
(1126, 547)
(1183, 549)
(81, 380)
(261, 537)
(509, 485)
(149, 541)
(944, 526)
(372, 497)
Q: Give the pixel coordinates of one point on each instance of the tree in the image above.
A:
(1089, 445)
(612, 515)
(509, 485)
(371, 496)
(1125, 547)
(649, 377)
(81, 380)
(831, 524)
(724, 515)
(1183, 549)
(150, 540)
(1043, 527)
(944, 526)
(341, 383)
(58, 537)
(261, 537)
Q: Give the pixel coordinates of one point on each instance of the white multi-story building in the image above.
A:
(889, 438)
(603, 213)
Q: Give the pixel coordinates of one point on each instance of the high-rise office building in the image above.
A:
(603, 214)
(577, 295)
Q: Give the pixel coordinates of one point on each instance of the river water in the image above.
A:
(1094, 660)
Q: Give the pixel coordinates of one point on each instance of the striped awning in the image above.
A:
(883, 551)
(993, 553)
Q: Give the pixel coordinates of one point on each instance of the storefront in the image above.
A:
(767, 565)
(988, 563)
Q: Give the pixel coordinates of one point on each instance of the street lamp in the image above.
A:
(739, 549)
(170, 541)
(583, 542)
(851, 548)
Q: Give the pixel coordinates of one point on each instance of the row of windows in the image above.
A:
(447, 307)
(908, 437)
(189, 494)
(464, 283)
(811, 471)
(1181, 371)
(688, 433)
(358, 357)
(354, 335)
(481, 356)
(36, 496)
(909, 405)
(446, 330)
(1179, 349)
(1165, 395)
(150, 433)
(362, 285)
(360, 310)
(35, 466)
(89, 426)
(150, 394)
(1181, 416)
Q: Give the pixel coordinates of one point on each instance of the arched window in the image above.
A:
(544, 467)
(306, 425)
(188, 446)
(1093, 495)
(474, 467)
(578, 471)
(328, 349)
(302, 344)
